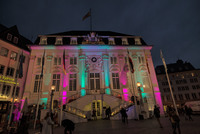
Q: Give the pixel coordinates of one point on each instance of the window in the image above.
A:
(43, 40)
(180, 97)
(111, 41)
(2, 67)
(137, 41)
(16, 93)
(113, 60)
(194, 96)
(57, 61)
(6, 90)
(73, 60)
(15, 40)
(4, 52)
(9, 36)
(37, 83)
(115, 79)
(13, 56)
(39, 61)
(56, 81)
(141, 59)
(187, 96)
(124, 41)
(72, 82)
(94, 81)
(73, 41)
(58, 41)
(10, 71)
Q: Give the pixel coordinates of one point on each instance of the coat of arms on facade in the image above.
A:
(94, 63)
(92, 38)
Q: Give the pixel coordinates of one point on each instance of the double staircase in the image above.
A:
(76, 102)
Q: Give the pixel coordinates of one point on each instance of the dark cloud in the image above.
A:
(171, 25)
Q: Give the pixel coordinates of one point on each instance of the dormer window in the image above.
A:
(43, 40)
(124, 41)
(9, 37)
(73, 41)
(138, 41)
(59, 41)
(15, 40)
(111, 41)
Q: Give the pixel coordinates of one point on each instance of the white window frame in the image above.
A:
(4, 52)
(57, 61)
(37, 83)
(10, 71)
(72, 82)
(56, 81)
(9, 36)
(95, 81)
(15, 40)
(73, 61)
(43, 40)
(115, 80)
(13, 55)
(124, 41)
(73, 41)
(113, 60)
(59, 41)
(111, 41)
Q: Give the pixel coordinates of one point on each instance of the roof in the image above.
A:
(179, 66)
(22, 41)
(102, 35)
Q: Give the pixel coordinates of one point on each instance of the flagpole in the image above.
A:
(163, 60)
(40, 85)
(90, 19)
(134, 93)
(11, 111)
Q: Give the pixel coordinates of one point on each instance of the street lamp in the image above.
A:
(52, 93)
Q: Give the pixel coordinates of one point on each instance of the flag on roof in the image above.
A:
(86, 16)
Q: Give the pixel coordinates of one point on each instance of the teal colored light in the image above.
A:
(45, 92)
(83, 92)
(44, 100)
(106, 70)
(142, 89)
(144, 95)
(83, 80)
(107, 90)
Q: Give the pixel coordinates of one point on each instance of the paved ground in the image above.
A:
(149, 126)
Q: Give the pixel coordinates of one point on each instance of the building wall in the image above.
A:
(9, 80)
(185, 83)
(85, 66)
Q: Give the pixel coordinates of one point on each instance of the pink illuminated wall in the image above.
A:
(159, 102)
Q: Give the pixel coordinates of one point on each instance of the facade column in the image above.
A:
(106, 73)
(82, 74)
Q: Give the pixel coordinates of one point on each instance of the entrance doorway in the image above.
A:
(96, 105)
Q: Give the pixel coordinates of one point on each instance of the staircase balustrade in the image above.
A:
(75, 111)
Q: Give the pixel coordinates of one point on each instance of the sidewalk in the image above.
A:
(149, 126)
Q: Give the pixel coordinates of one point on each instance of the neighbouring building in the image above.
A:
(12, 45)
(89, 71)
(185, 82)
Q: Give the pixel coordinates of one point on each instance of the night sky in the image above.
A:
(170, 25)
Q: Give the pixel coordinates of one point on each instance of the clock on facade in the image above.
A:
(94, 59)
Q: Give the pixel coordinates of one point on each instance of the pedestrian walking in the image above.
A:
(157, 115)
(175, 121)
(108, 113)
(124, 115)
(47, 124)
(69, 126)
(94, 115)
(188, 111)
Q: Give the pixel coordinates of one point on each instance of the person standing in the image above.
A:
(124, 115)
(94, 114)
(157, 115)
(175, 120)
(47, 124)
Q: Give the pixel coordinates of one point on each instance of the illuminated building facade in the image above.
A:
(96, 71)
(185, 82)
(12, 44)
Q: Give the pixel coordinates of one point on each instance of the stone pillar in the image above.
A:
(82, 72)
(106, 73)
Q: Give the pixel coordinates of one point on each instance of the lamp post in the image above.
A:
(52, 93)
